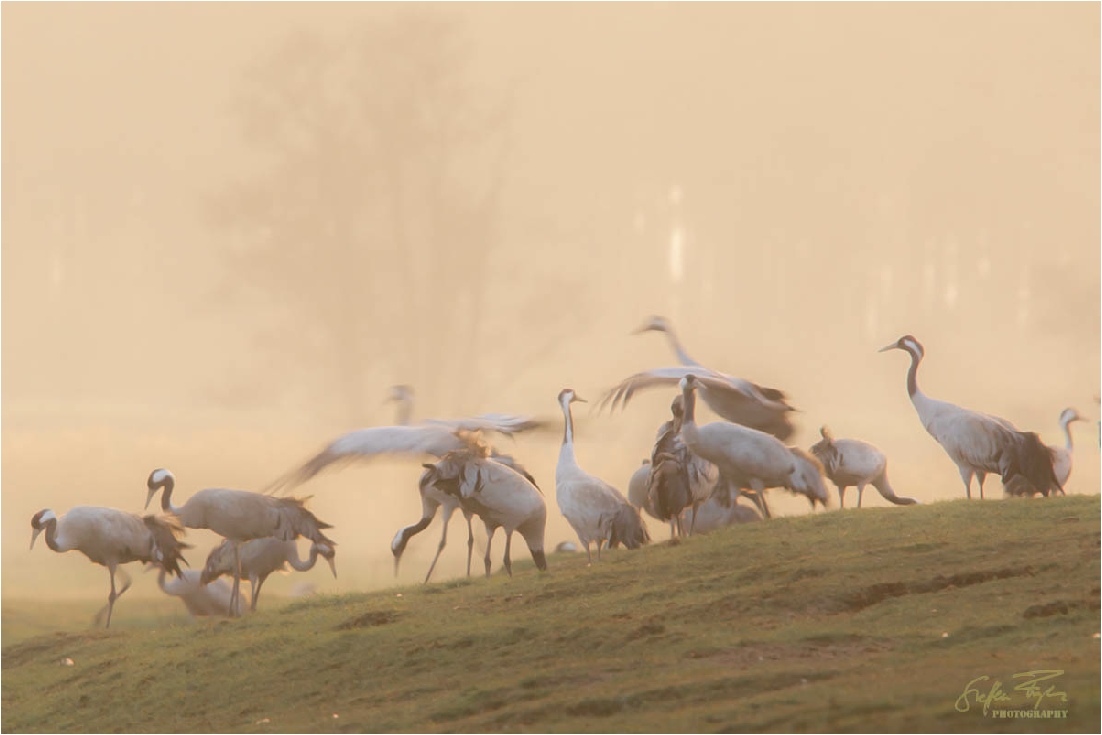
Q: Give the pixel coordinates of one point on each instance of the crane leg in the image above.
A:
(588, 553)
(759, 497)
(448, 510)
(470, 543)
(842, 496)
(489, 541)
(966, 476)
(508, 562)
(256, 584)
(860, 493)
(235, 597)
(981, 476)
(692, 523)
(114, 595)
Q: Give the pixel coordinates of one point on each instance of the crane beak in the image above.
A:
(34, 536)
(149, 497)
(578, 399)
(333, 565)
(892, 346)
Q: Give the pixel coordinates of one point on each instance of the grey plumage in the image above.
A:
(850, 462)
(979, 443)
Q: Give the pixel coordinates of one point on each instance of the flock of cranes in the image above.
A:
(693, 480)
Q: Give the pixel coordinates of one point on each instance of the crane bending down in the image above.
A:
(263, 556)
(977, 442)
(722, 509)
(239, 516)
(499, 495)
(852, 462)
(430, 438)
(595, 510)
(1061, 456)
(110, 538)
(749, 458)
(735, 399)
(200, 598)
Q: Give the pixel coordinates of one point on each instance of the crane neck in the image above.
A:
(404, 411)
(167, 487)
(675, 343)
(912, 374)
(51, 535)
(298, 564)
(688, 414)
(1066, 425)
(568, 430)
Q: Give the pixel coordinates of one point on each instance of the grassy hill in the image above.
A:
(871, 620)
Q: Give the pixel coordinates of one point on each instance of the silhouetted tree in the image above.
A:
(373, 206)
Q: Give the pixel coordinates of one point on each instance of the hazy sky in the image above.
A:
(794, 185)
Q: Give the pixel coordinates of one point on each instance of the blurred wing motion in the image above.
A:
(495, 423)
(430, 439)
(735, 399)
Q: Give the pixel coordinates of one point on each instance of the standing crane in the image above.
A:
(735, 399)
(263, 556)
(239, 516)
(110, 538)
(595, 510)
(499, 495)
(679, 479)
(1061, 456)
(977, 442)
(852, 462)
(747, 457)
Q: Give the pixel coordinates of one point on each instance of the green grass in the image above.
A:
(835, 621)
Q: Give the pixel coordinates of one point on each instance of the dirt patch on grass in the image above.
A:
(808, 649)
(877, 593)
(370, 620)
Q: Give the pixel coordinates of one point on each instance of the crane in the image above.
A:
(747, 457)
(263, 556)
(201, 599)
(111, 537)
(979, 443)
(595, 510)
(430, 438)
(499, 495)
(734, 399)
(1061, 456)
(239, 516)
(679, 479)
(853, 462)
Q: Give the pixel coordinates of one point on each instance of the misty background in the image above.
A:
(228, 229)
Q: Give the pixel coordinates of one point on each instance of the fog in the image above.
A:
(228, 229)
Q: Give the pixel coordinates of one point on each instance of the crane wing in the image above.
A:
(735, 399)
(365, 444)
(499, 423)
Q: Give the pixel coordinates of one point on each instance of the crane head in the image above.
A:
(907, 343)
(653, 324)
(39, 521)
(689, 382)
(568, 396)
(327, 552)
(1068, 415)
(399, 393)
(158, 478)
